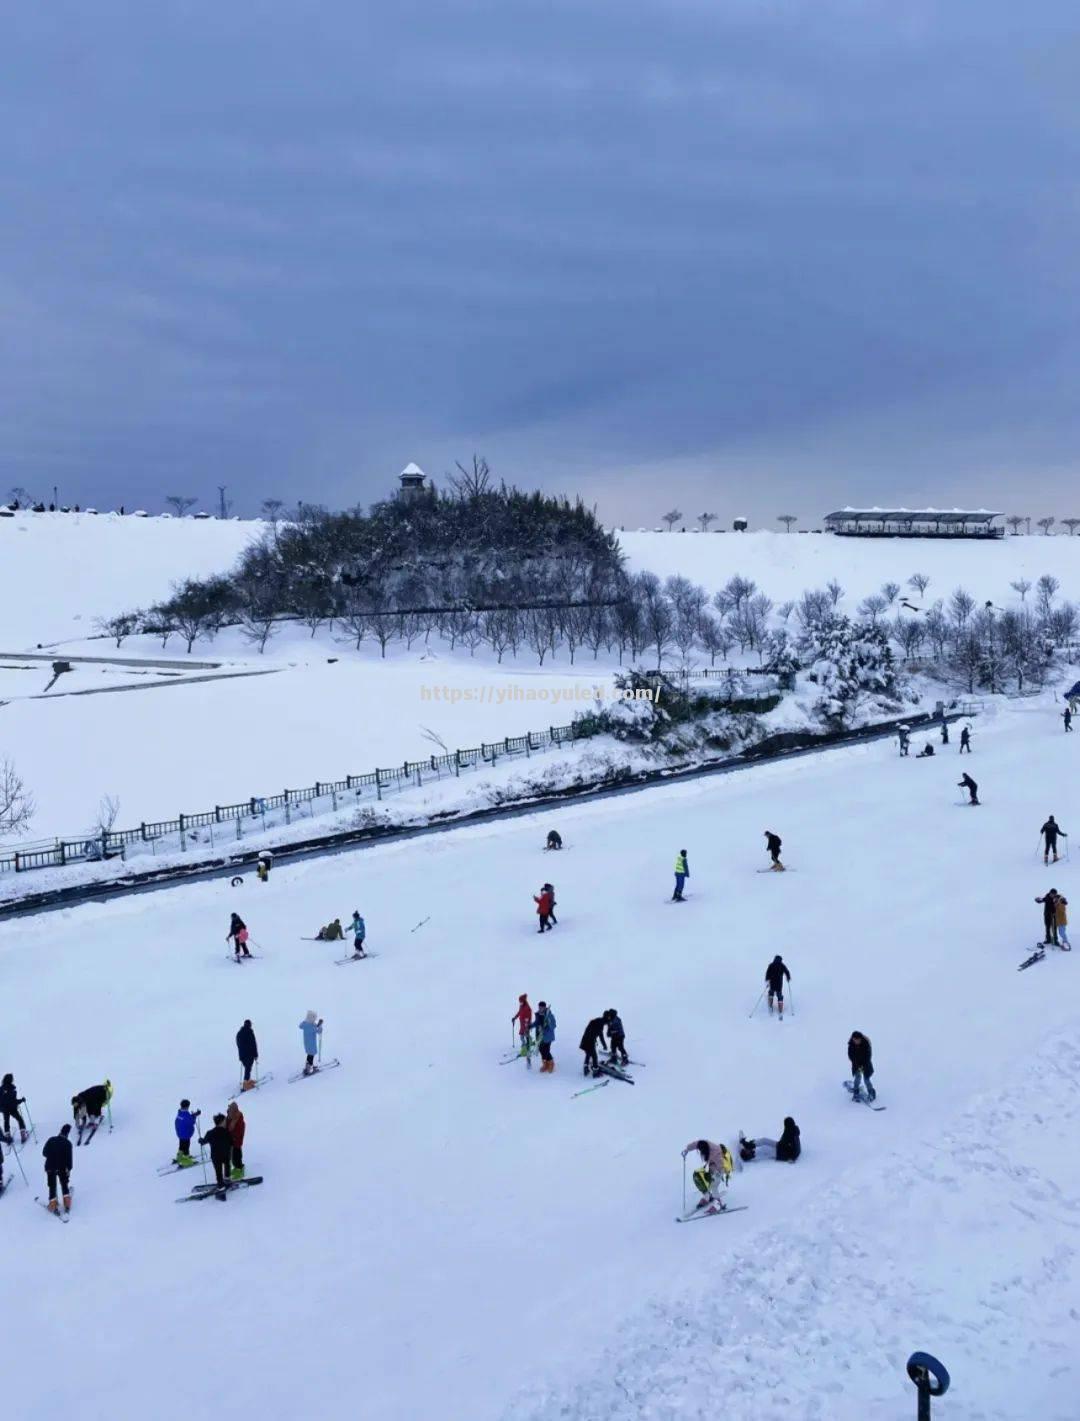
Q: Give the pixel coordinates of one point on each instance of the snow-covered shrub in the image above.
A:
(851, 663)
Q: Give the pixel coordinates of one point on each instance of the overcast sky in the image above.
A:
(734, 255)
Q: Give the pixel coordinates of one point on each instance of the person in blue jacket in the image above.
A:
(186, 1128)
(544, 1026)
(311, 1026)
(359, 933)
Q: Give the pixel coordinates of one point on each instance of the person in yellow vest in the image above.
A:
(715, 1169)
(682, 873)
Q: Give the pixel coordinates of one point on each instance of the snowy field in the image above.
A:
(437, 1235)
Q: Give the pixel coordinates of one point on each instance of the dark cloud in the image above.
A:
(745, 251)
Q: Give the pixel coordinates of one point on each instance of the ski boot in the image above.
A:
(871, 1093)
(237, 1172)
(54, 1207)
(67, 1203)
(249, 1085)
(24, 1135)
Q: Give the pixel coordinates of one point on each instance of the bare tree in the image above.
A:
(20, 496)
(787, 519)
(1045, 591)
(835, 591)
(271, 508)
(180, 503)
(470, 483)
(671, 518)
(16, 806)
(257, 621)
(704, 519)
(1014, 520)
(961, 606)
(909, 634)
(1022, 586)
(1046, 524)
(107, 812)
(890, 591)
(1072, 524)
(688, 602)
(937, 629)
(785, 610)
(118, 627)
(656, 614)
(714, 636)
(920, 582)
(873, 606)
(738, 590)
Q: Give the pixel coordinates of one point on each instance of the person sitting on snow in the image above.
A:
(787, 1148)
(333, 932)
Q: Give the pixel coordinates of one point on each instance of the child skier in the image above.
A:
(238, 934)
(682, 873)
(236, 1126)
(772, 843)
(862, 1066)
(1061, 922)
(523, 1016)
(549, 888)
(311, 1026)
(965, 739)
(358, 928)
(186, 1124)
(775, 974)
(715, 1169)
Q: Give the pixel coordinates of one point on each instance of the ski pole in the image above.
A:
(19, 1162)
(757, 1003)
(30, 1119)
(202, 1155)
(684, 1184)
(108, 1112)
(791, 999)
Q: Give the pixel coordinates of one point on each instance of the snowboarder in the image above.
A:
(965, 739)
(247, 1048)
(544, 1029)
(58, 1161)
(238, 934)
(544, 901)
(775, 974)
(715, 1169)
(220, 1143)
(787, 1148)
(616, 1038)
(972, 788)
(591, 1037)
(89, 1104)
(523, 1016)
(926, 753)
(772, 843)
(1051, 832)
(10, 1100)
(262, 868)
(186, 1124)
(358, 928)
(1061, 922)
(554, 839)
(311, 1026)
(1067, 716)
(862, 1065)
(553, 920)
(236, 1126)
(333, 932)
(682, 873)
(904, 736)
(1049, 907)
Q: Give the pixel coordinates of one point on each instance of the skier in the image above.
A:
(236, 1126)
(523, 1016)
(1067, 716)
(358, 928)
(1049, 902)
(904, 736)
(262, 868)
(1061, 922)
(682, 873)
(775, 974)
(333, 932)
(238, 933)
(965, 739)
(10, 1100)
(311, 1026)
(544, 1026)
(554, 839)
(186, 1124)
(591, 1037)
(715, 1168)
(220, 1143)
(247, 1048)
(972, 788)
(926, 753)
(58, 1161)
(1051, 832)
(944, 732)
(544, 903)
(772, 843)
(550, 888)
(616, 1038)
(787, 1148)
(89, 1104)
(862, 1066)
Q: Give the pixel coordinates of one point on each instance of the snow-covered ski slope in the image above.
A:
(439, 1235)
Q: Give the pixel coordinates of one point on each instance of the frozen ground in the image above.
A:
(439, 1235)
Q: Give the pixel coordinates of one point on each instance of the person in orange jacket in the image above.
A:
(523, 1016)
(544, 901)
(236, 1126)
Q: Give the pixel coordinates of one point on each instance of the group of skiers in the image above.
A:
(88, 1108)
(225, 1141)
(715, 1162)
(247, 1047)
(1055, 908)
(545, 908)
(903, 733)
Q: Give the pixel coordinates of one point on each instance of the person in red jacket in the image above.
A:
(236, 1126)
(544, 901)
(523, 1016)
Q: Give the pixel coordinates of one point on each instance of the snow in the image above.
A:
(439, 1235)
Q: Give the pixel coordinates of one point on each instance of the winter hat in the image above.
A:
(9, 1079)
(218, 1118)
(65, 1130)
(311, 1017)
(247, 1021)
(524, 997)
(185, 1104)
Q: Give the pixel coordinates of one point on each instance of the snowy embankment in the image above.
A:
(785, 565)
(436, 1231)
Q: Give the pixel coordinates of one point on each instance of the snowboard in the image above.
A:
(849, 1087)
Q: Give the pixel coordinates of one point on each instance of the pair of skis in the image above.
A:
(262, 1080)
(92, 1132)
(612, 1073)
(713, 1211)
(62, 1214)
(219, 1191)
(354, 957)
(315, 1070)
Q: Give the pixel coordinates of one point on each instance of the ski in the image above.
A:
(773, 870)
(241, 1092)
(90, 1136)
(355, 957)
(709, 1213)
(243, 957)
(175, 1168)
(421, 923)
(589, 1088)
(209, 1191)
(862, 1098)
(616, 1075)
(326, 1066)
(56, 1213)
(1036, 956)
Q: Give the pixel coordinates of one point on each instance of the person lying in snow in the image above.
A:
(787, 1148)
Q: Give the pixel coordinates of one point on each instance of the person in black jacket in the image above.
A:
(593, 1034)
(1049, 906)
(862, 1067)
(220, 1142)
(972, 788)
(89, 1105)
(1051, 832)
(554, 839)
(616, 1037)
(774, 979)
(10, 1100)
(787, 1148)
(58, 1161)
(248, 1050)
(772, 843)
